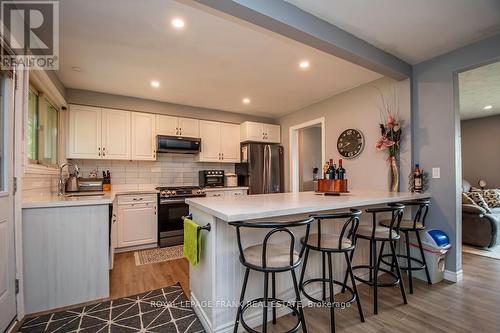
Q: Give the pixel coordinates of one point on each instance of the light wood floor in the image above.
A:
(472, 305)
(128, 279)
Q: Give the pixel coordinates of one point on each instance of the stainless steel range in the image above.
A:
(172, 207)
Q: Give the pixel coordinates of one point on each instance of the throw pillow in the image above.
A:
(492, 198)
(466, 200)
(479, 200)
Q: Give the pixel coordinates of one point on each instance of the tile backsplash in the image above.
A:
(167, 170)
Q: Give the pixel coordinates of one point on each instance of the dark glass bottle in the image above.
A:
(340, 171)
(331, 170)
(418, 179)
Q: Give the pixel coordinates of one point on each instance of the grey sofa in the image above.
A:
(478, 227)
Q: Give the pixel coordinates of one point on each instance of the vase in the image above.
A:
(394, 174)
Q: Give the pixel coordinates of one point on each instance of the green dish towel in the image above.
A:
(192, 242)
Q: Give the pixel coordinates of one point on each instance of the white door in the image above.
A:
(189, 127)
(116, 134)
(84, 132)
(272, 133)
(137, 225)
(230, 143)
(7, 254)
(143, 136)
(166, 125)
(210, 141)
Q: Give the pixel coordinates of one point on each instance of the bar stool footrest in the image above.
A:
(335, 282)
(272, 302)
(379, 284)
(404, 268)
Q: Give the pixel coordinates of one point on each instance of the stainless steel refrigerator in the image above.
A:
(261, 168)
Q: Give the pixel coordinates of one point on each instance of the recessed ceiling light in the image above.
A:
(155, 84)
(304, 64)
(246, 100)
(178, 23)
(488, 107)
(76, 69)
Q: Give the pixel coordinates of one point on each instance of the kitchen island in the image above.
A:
(216, 282)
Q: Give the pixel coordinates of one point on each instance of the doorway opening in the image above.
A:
(479, 94)
(307, 154)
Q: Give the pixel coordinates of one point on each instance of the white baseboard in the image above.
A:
(454, 276)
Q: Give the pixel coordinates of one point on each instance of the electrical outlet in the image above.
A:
(436, 172)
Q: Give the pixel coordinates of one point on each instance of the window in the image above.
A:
(42, 130)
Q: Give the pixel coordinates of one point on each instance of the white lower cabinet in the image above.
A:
(137, 222)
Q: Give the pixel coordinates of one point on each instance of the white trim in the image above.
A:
(200, 313)
(294, 151)
(42, 82)
(454, 276)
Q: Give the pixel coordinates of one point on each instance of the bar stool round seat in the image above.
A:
(270, 259)
(328, 244)
(277, 257)
(375, 233)
(415, 225)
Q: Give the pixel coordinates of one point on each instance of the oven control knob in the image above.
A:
(169, 192)
(173, 192)
(163, 193)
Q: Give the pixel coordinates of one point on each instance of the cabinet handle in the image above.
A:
(137, 199)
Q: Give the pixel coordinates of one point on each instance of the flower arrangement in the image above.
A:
(390, 128)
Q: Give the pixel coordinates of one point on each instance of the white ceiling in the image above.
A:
(478, 88)
(413, 30)
(122, 45)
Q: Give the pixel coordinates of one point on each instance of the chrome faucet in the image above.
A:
(62, 181)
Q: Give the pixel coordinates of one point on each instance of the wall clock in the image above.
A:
(350, 143)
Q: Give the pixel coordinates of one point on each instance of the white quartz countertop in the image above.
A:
(47, 200)
(281, 204)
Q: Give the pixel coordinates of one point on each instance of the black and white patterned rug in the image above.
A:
(164, 310)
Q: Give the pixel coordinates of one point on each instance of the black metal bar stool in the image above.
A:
(375, 233)
(328, 244)
(416, 225)
(271, 259)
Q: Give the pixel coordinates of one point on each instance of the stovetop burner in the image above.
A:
(181, 191)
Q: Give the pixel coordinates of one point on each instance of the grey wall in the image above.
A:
(309, 156)
(436, 133)
(481, 150)
(357, 108)
(92, 98)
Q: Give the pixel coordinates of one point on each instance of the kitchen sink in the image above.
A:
(84, 194)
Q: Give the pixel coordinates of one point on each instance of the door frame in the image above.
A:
(294, 149)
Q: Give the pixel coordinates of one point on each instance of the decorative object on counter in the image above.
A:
(93, 174)
(106, 181)
(151, 256)
(231, 179)
(418, 180)
(315, 174)
(334, 181)
(390, 140)
(482, 184)
(350, 143)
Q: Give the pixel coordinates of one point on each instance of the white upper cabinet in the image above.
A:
(219, 142)
(143, 137)
(229, 143)
(116, 128)
(210, 141)
(259, 132)
(84, 136)
(175, 126)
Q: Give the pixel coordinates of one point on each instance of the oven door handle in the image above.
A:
(171, 201)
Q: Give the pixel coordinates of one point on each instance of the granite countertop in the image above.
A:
(281, 204)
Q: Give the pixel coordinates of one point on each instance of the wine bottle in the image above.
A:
(340, 171)
(331, 170)
(325, 170)
(418, 179)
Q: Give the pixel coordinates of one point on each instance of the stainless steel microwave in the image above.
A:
(176, 144)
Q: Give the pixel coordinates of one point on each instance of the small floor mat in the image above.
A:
(151, 256)
(163, 310)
